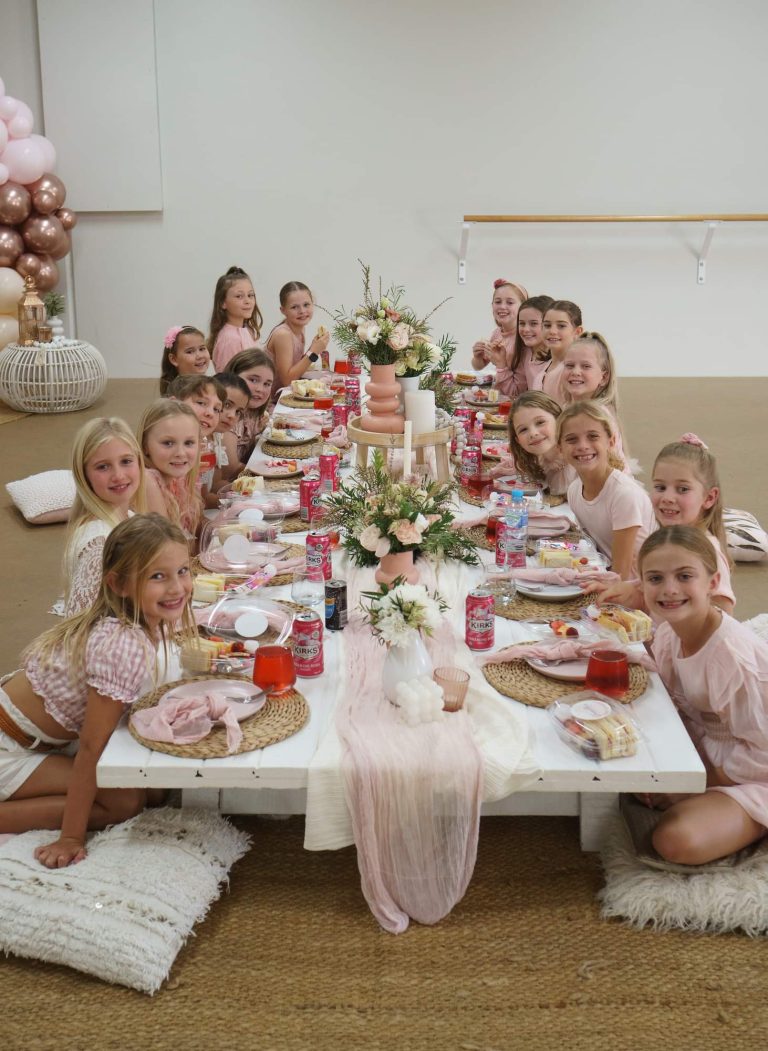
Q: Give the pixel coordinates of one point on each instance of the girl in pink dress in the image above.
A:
(609, 505)
(533, 441)
(716, 671)
(184, 354)
(505, 304)
(235, 320)
(77, 681)
(562, 324)
(286, 343)
(257, 368)
(169, 436)
(524, 368)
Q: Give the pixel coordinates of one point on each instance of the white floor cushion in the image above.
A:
(124, 912)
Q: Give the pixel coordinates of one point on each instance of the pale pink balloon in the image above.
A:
(3, 136)
(24, 160)
(47, 149)
(48, 274)
(67, 218)
(19, 127)
(9, 107)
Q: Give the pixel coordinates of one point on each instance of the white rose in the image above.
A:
(412, 360)
(401, 368)
(400, 336)
(370, 537)
(435, 353)
(368, 332)
(382, 548)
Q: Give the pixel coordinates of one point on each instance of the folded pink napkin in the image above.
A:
(505, 466)
(544, 523)
(534, 575)
(566, 650)
(338, 437)
(185, 720)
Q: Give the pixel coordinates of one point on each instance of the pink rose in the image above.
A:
(431, 519)
(400, 336)
(406, 532)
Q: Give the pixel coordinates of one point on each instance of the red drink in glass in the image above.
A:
(504, 408)
(480, 485)
(341, 366)
(608, 673)
(274, 670)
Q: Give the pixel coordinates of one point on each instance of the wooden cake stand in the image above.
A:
(439, 440)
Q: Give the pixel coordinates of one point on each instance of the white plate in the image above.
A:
(480, 403)
(309, 398)
(497, 454)
(549, 592)
(298, 437)
(242, 692)
(567, 671)
(268, 469)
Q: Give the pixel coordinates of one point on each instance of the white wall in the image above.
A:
(297, 137)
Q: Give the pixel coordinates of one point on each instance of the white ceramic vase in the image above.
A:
(407, 384)
(404, 664)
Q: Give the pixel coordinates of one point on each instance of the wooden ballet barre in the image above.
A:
(712, 221)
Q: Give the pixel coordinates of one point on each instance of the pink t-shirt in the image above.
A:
(552, 381)
(230, 341)
(621, 504)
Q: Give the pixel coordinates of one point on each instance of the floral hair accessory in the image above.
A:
(500, 282)
(171, 335)
(693, 439)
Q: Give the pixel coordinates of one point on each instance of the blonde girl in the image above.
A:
(109, 484)
(609, 505)
(235, 319)
(286, 343)
(205, 397)
(533, 441)
(169, 437)
(525, 367)
(589, 373)
(79, 678)
(257, 368)
(185, 353)
(507, 297)
(716, 671)
(562, 324)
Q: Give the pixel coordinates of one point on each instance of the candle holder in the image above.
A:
(31, 311)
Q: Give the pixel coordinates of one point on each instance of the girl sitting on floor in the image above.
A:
(286, 343)
(609, 505)
(533, 441)
(235, 319)
(716, 671)
(185, 354)
(505, 304)
(169, 437)
(109, 484)
(79, 678)
(258, 370)
(525, 367)
(562, 324)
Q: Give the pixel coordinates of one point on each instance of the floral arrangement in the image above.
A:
(378, 516)
(386, 332)
(397, 609)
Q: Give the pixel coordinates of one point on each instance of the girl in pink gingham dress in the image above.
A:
(235, 319)
(79, 678)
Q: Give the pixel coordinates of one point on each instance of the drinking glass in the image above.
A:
(608, 673)
(274, 670)
(503, 590)
(308, 587)
(341, 366)
(454, 683)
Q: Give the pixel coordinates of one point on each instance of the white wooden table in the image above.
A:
(274, 780)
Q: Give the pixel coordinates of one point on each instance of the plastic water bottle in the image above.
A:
(512, 533)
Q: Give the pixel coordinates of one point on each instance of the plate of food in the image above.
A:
(473, 379)
(549, 592)
(495, 451)
(482, 398)
(276, 468)
(563, 671)
(292, 436)
(308, 390)
(612, 621)
(496, 421)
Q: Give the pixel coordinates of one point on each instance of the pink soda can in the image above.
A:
(308, 489)
(463, 412)
(340, 415)
(471, 458)
(308, 644)
(354, 362)
(352, 395)
(319, 554)
(329, 472)
(480, 625)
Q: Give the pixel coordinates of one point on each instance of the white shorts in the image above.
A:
(17, 763)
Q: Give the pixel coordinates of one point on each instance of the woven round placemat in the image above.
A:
(304, 451)
(470, 498)
(292, 551)
(522, 682)
(282, 485)
(280, 717)
(555, 499)
(479, 539)
(526, 608)
(303, 403)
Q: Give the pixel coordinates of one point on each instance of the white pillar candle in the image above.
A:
(420, 410)
(407, 438)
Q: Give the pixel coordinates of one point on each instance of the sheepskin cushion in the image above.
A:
(747, 541)
(723, 898)
(124, 912)
(44, 498)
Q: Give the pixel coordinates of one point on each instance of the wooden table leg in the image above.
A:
(362, 455)
(443, 466)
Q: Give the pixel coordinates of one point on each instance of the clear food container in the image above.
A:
(595, 725)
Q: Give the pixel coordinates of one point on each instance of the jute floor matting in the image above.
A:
(291, 960)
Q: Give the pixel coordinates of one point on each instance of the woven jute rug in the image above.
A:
(520, 681)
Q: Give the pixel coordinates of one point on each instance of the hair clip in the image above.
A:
(500, 282)
(693, 439)
(171, 336)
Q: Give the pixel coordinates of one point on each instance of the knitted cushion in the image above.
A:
(44, 498)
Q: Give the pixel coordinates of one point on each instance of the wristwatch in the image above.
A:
(313, 357)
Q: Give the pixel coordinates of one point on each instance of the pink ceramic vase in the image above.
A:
(383, 392)
(397, 564)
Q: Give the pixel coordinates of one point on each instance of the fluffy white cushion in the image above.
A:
(124, 912)
(747, 541)
(44, 498)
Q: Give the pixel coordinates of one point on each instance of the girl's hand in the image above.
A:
(319, 343)
(481, 349)
(497, 353)
(65, 851)
(623, 593)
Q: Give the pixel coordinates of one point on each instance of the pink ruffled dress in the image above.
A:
(722, 693)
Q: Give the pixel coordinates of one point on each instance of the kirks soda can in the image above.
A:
(340, 415)
(335, 605)
(354, 362)
(308, 490)
(480, 619)
(325, 360)
(308, 644)
(510, 549)
(462, 413)
(471, 459)
(352, 395)
(329, 472)
(319, 554)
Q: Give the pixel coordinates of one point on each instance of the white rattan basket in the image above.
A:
(51, 377)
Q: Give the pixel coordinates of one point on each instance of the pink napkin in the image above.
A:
(505, 466)
(566, 650)
(185, 720)
(338, 437)
(564, 577)
(544, 524)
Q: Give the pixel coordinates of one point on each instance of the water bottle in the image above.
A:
(512, 533)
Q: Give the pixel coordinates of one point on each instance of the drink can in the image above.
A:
(352, 394)
(308, 490)
(340, 415)
(510, 548)
(354, 362)
(463, 412)
(308, 644)
(319, 554)
(335, 605)
(325, 360)
(480, 625)
(447, 377)
(471, 459)
(329, 472)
